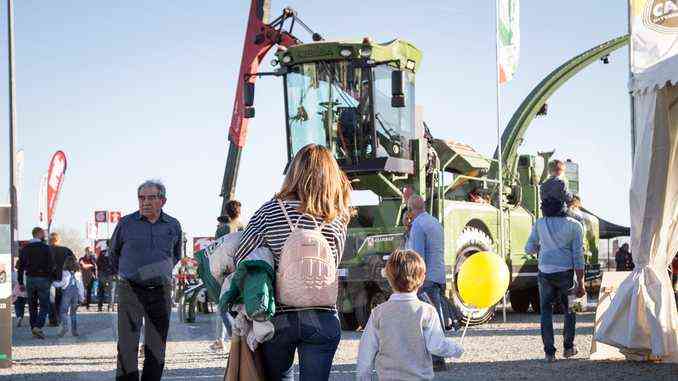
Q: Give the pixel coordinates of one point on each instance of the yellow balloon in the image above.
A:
(483, 280)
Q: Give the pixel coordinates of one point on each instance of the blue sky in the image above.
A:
(132, 90)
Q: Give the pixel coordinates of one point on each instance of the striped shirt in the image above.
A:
(268, 227)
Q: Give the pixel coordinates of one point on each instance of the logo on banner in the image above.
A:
(200, 243)
(114, 216)
(100, 216)
(661, 16)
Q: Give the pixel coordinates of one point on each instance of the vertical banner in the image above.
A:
(55, 179)
(5, 290)
(42, 202)
(508, 35)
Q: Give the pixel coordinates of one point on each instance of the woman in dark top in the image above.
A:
(88, 266)
(315, 189)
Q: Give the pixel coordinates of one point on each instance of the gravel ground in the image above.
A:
(496, 351)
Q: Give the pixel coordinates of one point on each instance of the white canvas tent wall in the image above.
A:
(642, 317)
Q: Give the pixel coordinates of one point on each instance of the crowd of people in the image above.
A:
(45, 281)
(310, 210)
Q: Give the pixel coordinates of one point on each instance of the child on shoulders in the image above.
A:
(407, 354)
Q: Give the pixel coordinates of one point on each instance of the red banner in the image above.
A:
(114, 216)
(55, 179)
(200, 243)
(101, 216)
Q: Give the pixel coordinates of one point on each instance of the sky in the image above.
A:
(133, 90)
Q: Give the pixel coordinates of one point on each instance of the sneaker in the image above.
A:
(550, 358)
(37, 333)
(19, 321)
(217, 346)
(570, 352)
(62, 331)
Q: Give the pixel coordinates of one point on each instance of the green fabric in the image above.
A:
(252, 285)
(212, 285)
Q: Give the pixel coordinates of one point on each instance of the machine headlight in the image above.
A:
(345, 52)
(410, 64)
(365, 51)
(286, 59)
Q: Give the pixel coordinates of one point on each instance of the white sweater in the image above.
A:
(66, 279)
(400, 337)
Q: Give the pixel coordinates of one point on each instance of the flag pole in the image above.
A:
(500, 163)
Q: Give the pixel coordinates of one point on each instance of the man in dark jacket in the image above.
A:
(624, 259)
(37, 261)
(104, 275)
(60, 254)
(88, 268)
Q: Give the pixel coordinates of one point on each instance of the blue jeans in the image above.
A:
(435, 293)
(69, 305)
(314, 333)
(39, 286)
(554, 288)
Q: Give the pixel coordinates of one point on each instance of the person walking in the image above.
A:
(18, 299)
(73, 291)
(37, 261)
(558, 242)
(406, 355)
(624, 259)
(145, 247)
(426, 239)
(315, 196)
(88, 266)
(229, 223)
(60, 255)
(104, 276)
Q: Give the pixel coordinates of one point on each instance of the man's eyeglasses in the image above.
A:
(153, 197)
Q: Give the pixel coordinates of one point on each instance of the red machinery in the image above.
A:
(260, 37)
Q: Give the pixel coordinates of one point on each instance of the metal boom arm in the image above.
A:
(260, 37)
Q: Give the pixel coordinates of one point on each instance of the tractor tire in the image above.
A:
(520, 301)
(363, 310)
(348, 321)
(470, 241)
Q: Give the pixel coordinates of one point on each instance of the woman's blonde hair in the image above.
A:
(315, 179)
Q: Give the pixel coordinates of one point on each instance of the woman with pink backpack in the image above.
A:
(304, 226)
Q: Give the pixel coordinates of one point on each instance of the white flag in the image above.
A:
(508, 38)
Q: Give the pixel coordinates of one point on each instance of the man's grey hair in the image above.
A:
(153, 183)
(416, 203)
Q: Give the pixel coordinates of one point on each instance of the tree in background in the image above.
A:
(72, 239)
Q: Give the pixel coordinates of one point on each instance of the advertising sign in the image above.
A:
(114, 216)
(5, 290)
(654, 32)
(101, 216)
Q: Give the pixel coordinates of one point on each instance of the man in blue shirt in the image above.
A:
(426, 238)
(558, 241)
(145, 247)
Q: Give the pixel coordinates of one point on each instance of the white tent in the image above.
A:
(642, 318)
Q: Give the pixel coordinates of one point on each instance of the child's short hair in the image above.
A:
(405, 270)
(70, 264)
(556, 166)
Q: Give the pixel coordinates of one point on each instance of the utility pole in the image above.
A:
(12, 130)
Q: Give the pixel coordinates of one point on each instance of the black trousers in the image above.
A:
(154, 305)
(54, 307)
(104, 285)
(88, 292)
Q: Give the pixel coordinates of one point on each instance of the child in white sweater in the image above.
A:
(403, 333)
(73, 293)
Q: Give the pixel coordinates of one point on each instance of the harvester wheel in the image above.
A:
(363, 310)
(470, 241)
(520, 301)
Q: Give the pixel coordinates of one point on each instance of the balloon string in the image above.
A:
(464, 333)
